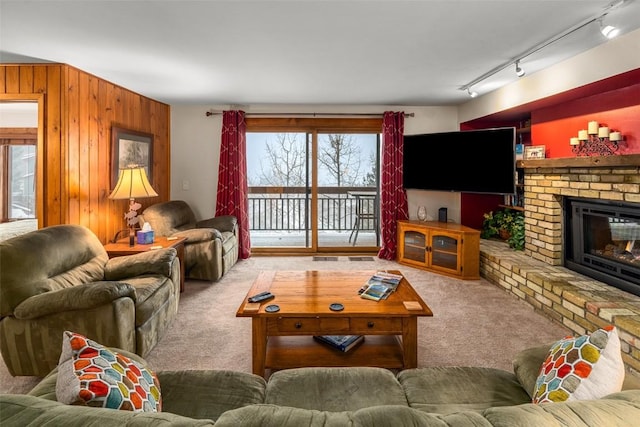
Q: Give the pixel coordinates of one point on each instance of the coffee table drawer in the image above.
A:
(376, 324)
(308, 324)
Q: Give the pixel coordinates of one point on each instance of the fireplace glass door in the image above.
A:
(604, 239)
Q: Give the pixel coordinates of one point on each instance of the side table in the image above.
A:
(122, 248)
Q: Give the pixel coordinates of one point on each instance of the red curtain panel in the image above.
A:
(232, 176)
(393, 198)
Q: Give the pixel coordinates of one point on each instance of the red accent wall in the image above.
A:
(553, 126)
(613, 102)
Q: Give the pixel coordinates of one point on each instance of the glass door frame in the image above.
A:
(313, 127)
(40, 152)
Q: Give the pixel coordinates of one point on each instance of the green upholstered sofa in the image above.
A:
(60, 278)
(438, 396)
(211, 248)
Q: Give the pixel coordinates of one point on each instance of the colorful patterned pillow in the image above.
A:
(93, 375)
(584, 367)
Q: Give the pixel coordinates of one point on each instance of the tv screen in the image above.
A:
(476, 161)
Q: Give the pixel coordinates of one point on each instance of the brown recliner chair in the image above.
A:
(211, 248)
(60, 278)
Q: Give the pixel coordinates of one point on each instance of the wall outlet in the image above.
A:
(185, 184)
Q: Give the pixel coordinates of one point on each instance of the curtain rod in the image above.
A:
(213, 113)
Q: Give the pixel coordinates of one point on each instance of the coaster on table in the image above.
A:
(272, 308)
(252, 307)
(412, 305)
(336, 306)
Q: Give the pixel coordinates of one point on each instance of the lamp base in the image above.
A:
(132, 237)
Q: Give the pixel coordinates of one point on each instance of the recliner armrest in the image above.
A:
(152, 262)
(196, 235)
(80, 297)
(222, 223)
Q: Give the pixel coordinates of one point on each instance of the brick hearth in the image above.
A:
(536, 275)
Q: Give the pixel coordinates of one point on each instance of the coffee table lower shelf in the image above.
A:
(285, 352)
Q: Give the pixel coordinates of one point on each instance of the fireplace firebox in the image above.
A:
(602, 240)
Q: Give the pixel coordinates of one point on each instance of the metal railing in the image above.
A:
(289, 209)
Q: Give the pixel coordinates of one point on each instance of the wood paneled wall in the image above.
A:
(80, 110)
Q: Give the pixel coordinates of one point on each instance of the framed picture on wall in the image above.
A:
(129, 147)
(534, 152)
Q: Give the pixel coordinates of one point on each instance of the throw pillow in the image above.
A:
(584, 367)
(93, 375)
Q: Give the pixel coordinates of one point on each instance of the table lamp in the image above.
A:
(132, 183)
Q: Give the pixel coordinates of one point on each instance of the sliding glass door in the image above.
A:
(312, 190)
(279, 180)
(347, 201)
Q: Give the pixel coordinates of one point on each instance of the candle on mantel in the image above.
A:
(615, 136)
(593, 127)
(582, 135)
(603, 132)
(574, 141)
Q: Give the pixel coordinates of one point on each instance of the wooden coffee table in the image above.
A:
(284, 339)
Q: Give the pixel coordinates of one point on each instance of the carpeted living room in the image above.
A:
(320, 213)
(474, 323)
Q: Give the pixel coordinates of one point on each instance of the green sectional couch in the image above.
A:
(363, 396)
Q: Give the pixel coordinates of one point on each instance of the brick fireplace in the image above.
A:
(548, 181)
(537, 274)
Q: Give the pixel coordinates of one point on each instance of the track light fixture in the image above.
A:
(471, 93)
(609, 31)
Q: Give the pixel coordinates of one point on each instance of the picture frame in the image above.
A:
(534, 152)
(130, 147)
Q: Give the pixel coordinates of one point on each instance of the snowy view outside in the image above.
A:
(280, 159)
(345, 163)
(22, 198)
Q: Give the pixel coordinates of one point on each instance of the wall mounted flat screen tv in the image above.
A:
(475, 161)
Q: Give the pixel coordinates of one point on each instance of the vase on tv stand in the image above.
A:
(422, 213)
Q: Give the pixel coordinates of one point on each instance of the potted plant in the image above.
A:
(506, 224)
(516, 238)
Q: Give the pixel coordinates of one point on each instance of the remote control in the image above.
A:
(261, 297)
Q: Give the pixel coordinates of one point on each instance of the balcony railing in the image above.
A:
(289, 209)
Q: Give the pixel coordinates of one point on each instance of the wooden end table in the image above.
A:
(122, 248)
(284, 339)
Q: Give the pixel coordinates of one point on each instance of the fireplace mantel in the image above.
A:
(579, 162)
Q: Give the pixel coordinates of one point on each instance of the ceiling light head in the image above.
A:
(519, 70)
(609, 31)
(471, 93)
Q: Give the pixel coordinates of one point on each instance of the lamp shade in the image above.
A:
(132, 184)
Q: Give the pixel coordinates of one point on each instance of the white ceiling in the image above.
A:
(304, 52)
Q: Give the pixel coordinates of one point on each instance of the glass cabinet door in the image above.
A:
(414, 246)
(444, 251)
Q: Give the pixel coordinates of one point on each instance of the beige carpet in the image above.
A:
(475, 323)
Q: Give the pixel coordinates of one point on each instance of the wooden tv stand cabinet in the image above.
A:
(441, 247)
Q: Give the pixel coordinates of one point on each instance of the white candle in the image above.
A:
(574, 141)
(582, 135)
(593, 127)
(603, 132)
(615, 136)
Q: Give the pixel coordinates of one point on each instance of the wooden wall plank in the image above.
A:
(3, 76)
(73, 147)
(94, 161)
(12, 79)
(26, 79)
(40, 79)
(84, 142)
(54, 156)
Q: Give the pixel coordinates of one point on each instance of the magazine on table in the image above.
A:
(343, 343)
(380, 285)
